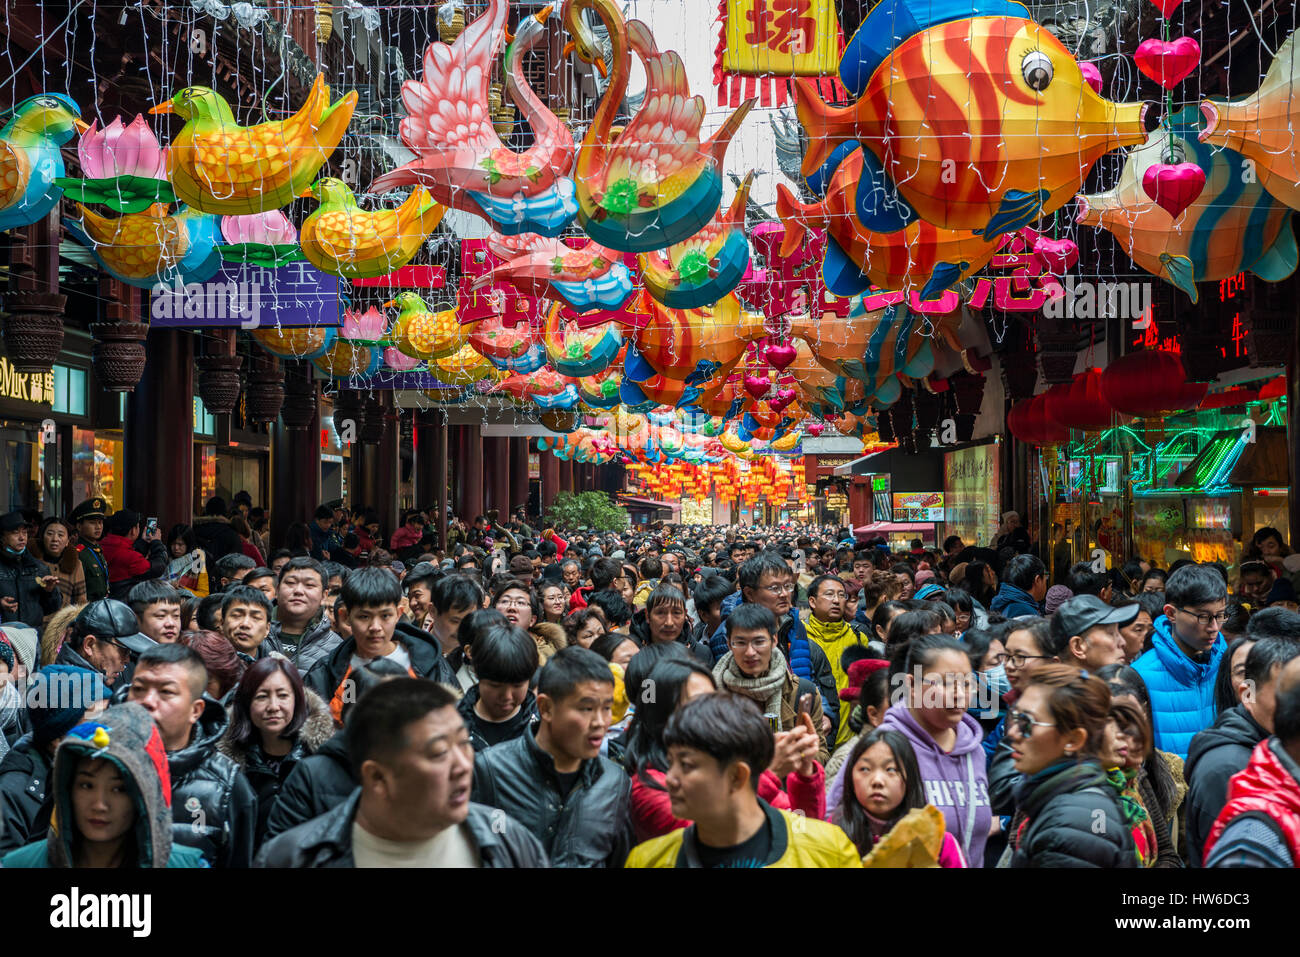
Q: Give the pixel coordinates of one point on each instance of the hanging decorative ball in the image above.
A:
(33, 330)
(1027, 420)
(118, 354)
(1078, 404)
(1150, 384)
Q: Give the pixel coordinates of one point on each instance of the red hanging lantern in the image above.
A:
(1150, 384)
(1078, 404)
(1028, 422)
(1274, 388)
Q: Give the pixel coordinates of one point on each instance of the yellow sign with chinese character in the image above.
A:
(25, 386)
(781, 38)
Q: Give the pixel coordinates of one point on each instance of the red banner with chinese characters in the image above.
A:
(764, 43)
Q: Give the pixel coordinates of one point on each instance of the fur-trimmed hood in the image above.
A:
(549, 633)
(315, 731)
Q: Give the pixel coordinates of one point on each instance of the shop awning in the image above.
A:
(884, 528)
(859, 465)
(1263, 464)
(649, 503)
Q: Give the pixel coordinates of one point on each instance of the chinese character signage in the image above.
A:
(918, 506)
(25, 387)
(781, 37)
(972, 484)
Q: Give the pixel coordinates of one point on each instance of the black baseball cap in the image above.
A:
(1082, 612)
(112, 620)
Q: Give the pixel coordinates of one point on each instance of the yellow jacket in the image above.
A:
(801, 842)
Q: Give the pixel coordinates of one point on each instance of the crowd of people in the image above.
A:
(678, 696)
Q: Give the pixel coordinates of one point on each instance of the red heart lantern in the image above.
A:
(816, 428)
(1057, 255)
(783, 398)
(780, 356)
(757, 385)
(1173, 188)
(1168, 63)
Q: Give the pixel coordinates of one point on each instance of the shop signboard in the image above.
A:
(971, 494)
(918, 506)
(245, 296)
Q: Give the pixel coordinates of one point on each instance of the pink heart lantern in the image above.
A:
(1166, 7)
(757, 385)
(783, 398)
(815, 428)
(1057, 255)
(1173, 188)
(1168, 63)
(1092, 75)
(780, 356)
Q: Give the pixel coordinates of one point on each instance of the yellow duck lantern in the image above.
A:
(343, 239)
(217, 166)
(463, 367)
(422, 333)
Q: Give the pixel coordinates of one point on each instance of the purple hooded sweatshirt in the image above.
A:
(949, 779)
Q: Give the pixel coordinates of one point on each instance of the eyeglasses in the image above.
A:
(1023, 723)
(1205, 618)
(785, 589)
(1018, 660)
(994, 659)
(513, 603)
(758, 644)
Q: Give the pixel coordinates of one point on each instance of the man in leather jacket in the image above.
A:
(413, 807)
(214, 808)
(554, 782)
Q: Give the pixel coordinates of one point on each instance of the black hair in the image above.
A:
(205, 616)
(121, 522)
(377, 722)
(644, 741)
(477, 623)
(368, 676)
(505, 653)
(305, 564)
(1193, 584)
(959, 600)
(1082, 580)
(1123, 679)
(1151, 602)
(260, 571)
(603, 573)
(1268, 655)
(504, 585)
(726, 727)
(227, 565)
(455, 592)
(875, 692)
(763, 563)
(749, 616)
(151, 592)
(1022, 571)
(665, 595)
(815, 585)
(922, 650)
(1236, 623)
(371, 587)
(609, 642)
(617, 612)
(280, 553)
(1274, 623)
(851, 816)
(241, 730)
(332, 570)
(710, 592)
(884, 614)
(181, 531)
(977, 641)
(912, 624)
(570, 667)
(244, 595)
(1225, 691)
(1041, 631)
(1286, 714)
(175, 653)
(651, 567)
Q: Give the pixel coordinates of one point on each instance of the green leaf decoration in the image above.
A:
(621, 198)
(694, 268)
(123, 194)
(260, 254)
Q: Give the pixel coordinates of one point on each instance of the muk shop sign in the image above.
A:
(250, 297)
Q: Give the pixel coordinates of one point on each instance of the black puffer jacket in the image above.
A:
(318, 642)
(588, 827)
(267, 776)
(24, 807)
(1073, 821)
(524, 721)
(19, 576)
(640, 631)
(214, 808)
(427, 661)
(327, 840)
(318, 783)
(217, 538)
(1214, 756)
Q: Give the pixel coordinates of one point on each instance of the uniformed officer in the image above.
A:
(88, 517)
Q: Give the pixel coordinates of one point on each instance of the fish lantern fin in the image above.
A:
(820, 180)
(635, 367)
(690, 395)
(889, 392)
(880, 206)
(841, 274)
(1179, 271)
(944, 275)
(630, 394)
(1280, 259)
(1018, 208)
(828, 127)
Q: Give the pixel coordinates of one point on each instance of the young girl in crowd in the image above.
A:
(885, 784)
(1129, 743)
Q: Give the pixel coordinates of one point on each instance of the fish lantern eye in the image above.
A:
(1036, 68)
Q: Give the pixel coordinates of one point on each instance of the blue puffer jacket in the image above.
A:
(1012, 602)
(1182, 691)
(791, 633)
(718, 640)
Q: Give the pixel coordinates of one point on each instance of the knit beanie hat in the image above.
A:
(23, 640)
(1057, 596)
(6, 653)
(58, 696)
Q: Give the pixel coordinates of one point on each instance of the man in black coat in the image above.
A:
(214, 808)
(215, 534)
(1223, 749)
(413, 758)
(28, 590)
(554, 782)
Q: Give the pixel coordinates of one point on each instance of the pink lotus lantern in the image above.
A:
(122, 167)
(265, 239)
